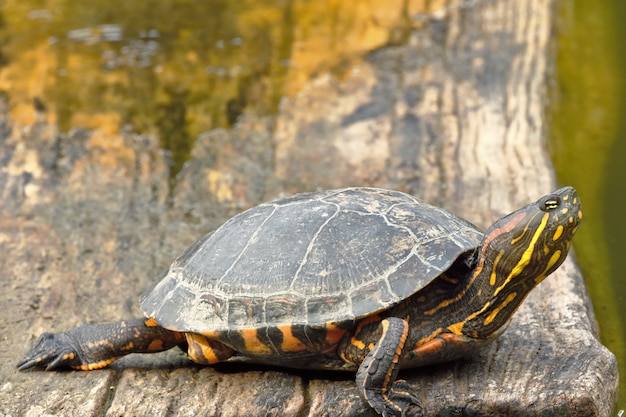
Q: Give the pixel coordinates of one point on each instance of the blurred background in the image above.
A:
(177, 68)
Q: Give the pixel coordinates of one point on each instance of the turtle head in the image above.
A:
(532, 242)
(519, 251)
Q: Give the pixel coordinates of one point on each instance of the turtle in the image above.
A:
(359, 279)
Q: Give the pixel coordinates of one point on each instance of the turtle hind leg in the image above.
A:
(94, 346)
(52, 351)
(376, 377)
(205, 351)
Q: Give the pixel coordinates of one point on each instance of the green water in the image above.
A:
(589, 151)
(178, 68)
(175, 68)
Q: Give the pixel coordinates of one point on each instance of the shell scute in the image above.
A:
(311, 259)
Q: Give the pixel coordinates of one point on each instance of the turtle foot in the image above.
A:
(51, 351)
(403, 400)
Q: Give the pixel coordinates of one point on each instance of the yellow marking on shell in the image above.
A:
(557, 233)
(497, 310)
(566, 197)
(151, 322)
(564, 210)
(69, 356)
(493, 276)
(253, 343)
(290, 343)
(580, 214)
(525, 258)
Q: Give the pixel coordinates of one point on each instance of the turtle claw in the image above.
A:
(403, 394)
(51, 351)
(401, 401)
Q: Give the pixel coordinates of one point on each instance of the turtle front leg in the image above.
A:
(376, 376)
(94, 346)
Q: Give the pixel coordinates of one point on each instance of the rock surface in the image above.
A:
(455, 116)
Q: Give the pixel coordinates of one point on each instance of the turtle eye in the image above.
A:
(551, 203)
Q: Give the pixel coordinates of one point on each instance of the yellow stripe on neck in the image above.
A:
(499, 308)
(528, 253)
(493, 277)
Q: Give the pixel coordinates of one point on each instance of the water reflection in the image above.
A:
(589, 149)
(174, 67)
(110, 64)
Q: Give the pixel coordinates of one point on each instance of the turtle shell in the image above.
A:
(310, 259)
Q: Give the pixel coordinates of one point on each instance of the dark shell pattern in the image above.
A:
(310, 259)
